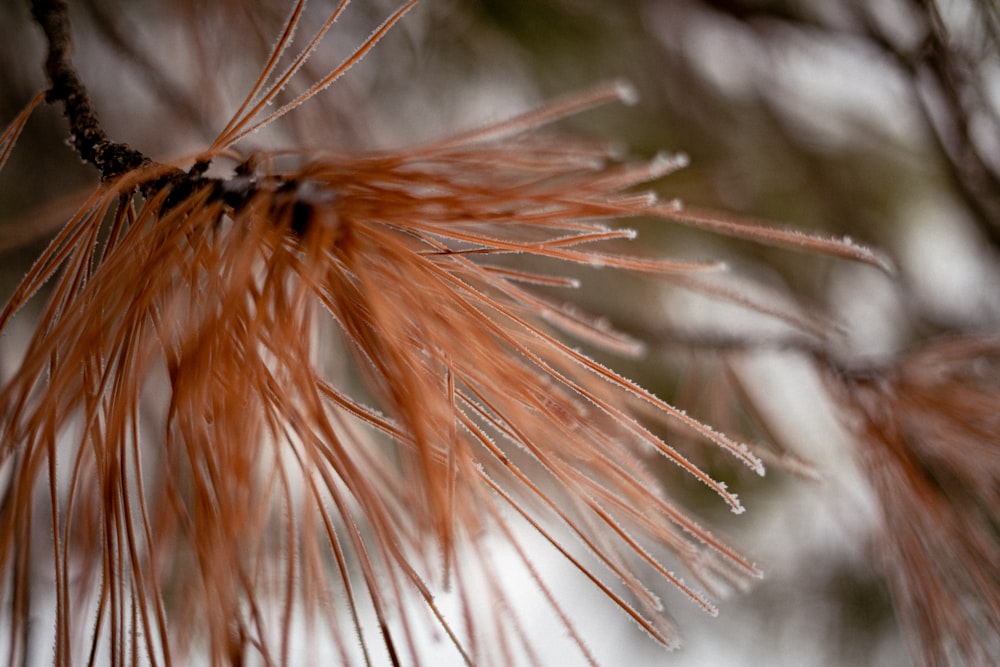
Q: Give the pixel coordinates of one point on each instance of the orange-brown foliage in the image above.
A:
(928, 430)
(183, 422)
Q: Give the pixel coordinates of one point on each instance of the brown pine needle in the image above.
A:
(13, 131)
(928, 431)
(236, 133)
(760, 232)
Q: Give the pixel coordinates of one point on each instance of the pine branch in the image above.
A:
(91, 142)
(86, 135)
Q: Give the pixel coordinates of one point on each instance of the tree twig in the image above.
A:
(86, 135)
(88, 138)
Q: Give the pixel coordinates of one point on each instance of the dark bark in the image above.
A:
(92, 144)
(86, 135)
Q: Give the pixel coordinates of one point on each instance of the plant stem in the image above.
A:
(86, 135)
